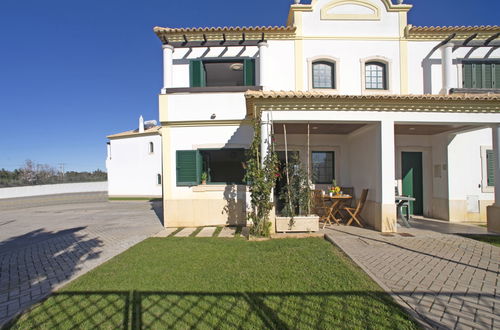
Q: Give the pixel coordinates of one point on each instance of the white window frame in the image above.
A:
(336, 74)
(388, 75)
(484, 171)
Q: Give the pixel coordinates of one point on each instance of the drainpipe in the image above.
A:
(446, 67)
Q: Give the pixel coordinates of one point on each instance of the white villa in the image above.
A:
(384, 104)
(134, 162)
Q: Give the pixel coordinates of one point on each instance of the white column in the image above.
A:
(265, 136)
(388, 161)
(387, 177)
(447, 67)
(168, 51)
(496, 151)
(262, 64)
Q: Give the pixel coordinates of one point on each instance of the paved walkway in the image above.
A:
(47, 241)
(225, 232)
(447, 280)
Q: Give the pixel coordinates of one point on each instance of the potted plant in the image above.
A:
(296, 197)
(204, 177)
(335, 189)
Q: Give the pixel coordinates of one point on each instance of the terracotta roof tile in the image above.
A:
(485, 28)
(318, 95)
(158, 29)
(148, 131)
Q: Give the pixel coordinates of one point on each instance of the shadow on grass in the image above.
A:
(139, 309)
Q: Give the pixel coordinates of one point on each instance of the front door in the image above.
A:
(413, 180)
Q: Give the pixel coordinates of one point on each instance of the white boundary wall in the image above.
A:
(52, 189)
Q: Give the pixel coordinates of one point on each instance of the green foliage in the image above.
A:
(33, 174)
(296, 194)
(213, 283)
(261, 181)
(204, 176)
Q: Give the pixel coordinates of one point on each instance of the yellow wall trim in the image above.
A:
(354, 38)
(389, 6)
(327, 15)
(373, 103)
(206, 123)
(417, 33)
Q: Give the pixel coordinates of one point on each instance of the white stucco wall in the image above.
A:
(201, 106)
(53, 189)
(132, 169)
(387, 26)
(464, 156)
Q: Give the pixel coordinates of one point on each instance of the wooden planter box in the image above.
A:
(301, 224)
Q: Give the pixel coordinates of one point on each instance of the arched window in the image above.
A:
(323, 75)
(158, 178)
(375, 75)
(151, 147)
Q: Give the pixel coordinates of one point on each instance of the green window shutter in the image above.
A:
(188, 167)
(487, 77)
(477, 80)
(196, 73)
(496, 75)
(249, 65)
(490, 161)
(467, 75)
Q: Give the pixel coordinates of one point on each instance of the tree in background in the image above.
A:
(33, 174)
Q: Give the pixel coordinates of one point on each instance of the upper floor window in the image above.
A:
(222, 72)
(323, 75)
(375, 75)
(481, 74)
(151, 147)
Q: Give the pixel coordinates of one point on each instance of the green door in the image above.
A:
(413, 180)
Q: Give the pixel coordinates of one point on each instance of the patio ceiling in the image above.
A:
(317, 128)
(415, 129)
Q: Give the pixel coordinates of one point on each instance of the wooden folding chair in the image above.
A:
(355, 213)
(322, 209)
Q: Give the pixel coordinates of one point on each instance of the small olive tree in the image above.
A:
(261, 178)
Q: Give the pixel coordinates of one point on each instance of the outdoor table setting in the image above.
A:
(404, 202)
(338, 201)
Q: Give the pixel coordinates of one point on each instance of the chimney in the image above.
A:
(141, 124)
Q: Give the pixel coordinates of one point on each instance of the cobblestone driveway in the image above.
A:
(448, 281)
(47, 241)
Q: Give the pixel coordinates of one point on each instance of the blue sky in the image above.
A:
(72, 71)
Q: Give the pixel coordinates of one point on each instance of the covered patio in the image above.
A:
(371, 141)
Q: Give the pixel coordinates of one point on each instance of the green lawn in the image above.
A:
(491, 239)
(222, 283)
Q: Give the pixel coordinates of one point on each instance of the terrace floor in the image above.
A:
(446, 280)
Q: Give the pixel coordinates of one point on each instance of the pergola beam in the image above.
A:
(213, 43)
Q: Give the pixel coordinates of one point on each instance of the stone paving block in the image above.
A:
(185, 232)
(69, 244)
(441, 274)
(227, 232)
(166, 232)
(206, 232)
